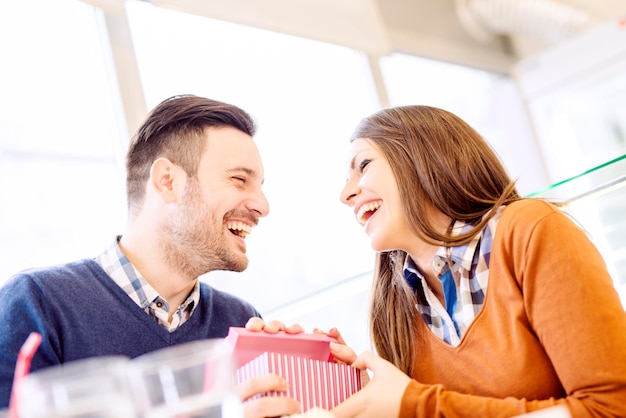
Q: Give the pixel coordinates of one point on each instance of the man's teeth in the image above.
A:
(368, 207)
(240, 228)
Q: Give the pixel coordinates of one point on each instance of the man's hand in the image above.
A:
(266, 406)
(381, 397)
(272, 327)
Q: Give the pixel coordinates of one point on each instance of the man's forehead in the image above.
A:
(233, 151)
(230, 143)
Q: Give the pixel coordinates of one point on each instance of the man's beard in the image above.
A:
(192, 244)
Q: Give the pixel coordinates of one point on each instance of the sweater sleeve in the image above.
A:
(575, 313)
(22, 312)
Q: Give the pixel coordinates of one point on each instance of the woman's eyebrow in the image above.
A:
(352, 163)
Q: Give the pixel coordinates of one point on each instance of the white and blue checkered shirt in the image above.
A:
(464, 285)
(118, 267)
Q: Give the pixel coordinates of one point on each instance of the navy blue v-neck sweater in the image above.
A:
(81, 312)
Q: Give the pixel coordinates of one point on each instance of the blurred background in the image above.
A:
(544, 81)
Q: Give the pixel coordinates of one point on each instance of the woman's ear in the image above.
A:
(167, 180)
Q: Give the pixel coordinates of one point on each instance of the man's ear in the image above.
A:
(166, 179)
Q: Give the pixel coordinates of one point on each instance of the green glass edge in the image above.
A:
(591, 170)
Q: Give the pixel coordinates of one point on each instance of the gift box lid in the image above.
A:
(247, 345)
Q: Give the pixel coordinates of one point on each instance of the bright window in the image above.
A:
(489, 102)
(61, 190)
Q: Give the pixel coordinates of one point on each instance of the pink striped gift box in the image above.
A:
(304, 360)
(313, 383)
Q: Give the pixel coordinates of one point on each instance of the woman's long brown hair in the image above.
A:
(440, 162)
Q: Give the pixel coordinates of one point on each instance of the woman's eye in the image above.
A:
(363, 164)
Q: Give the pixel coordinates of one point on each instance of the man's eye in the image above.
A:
(240, 179)
(364, 164)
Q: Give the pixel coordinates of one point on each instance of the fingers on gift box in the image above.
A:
(304, 360)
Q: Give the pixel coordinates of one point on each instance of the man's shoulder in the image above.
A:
(209, 291)
(53, 275)
(219, 298)
(219, 310)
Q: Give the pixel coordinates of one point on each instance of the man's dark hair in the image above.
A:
(176, 130)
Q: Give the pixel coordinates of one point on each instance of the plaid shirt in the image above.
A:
(118, 267)
(464, 284)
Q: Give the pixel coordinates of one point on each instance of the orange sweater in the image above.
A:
(551, 331)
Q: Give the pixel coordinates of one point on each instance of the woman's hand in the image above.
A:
(340, 351)
(381, 397)
(266, 406)
(272, 327)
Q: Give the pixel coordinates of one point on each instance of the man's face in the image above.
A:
(207, 229)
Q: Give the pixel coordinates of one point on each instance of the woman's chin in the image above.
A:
(377, 245)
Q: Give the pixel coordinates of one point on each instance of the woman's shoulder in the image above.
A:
(527, 216)
(529, 207)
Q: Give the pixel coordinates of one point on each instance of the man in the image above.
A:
(194, 178)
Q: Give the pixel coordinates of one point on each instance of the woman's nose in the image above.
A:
(348, 192)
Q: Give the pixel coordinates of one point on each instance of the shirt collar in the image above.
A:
(125, 275)
(461, 256)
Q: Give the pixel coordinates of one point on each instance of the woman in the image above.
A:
(484, 304)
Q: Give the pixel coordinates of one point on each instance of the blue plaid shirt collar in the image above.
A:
(461, 257)
(125, 275)
(466, 287)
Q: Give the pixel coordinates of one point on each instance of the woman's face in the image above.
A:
(372, 192)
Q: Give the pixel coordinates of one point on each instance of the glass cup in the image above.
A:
(96, 387)
(190, 380)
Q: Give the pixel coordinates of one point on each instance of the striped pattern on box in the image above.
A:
(313, 383)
